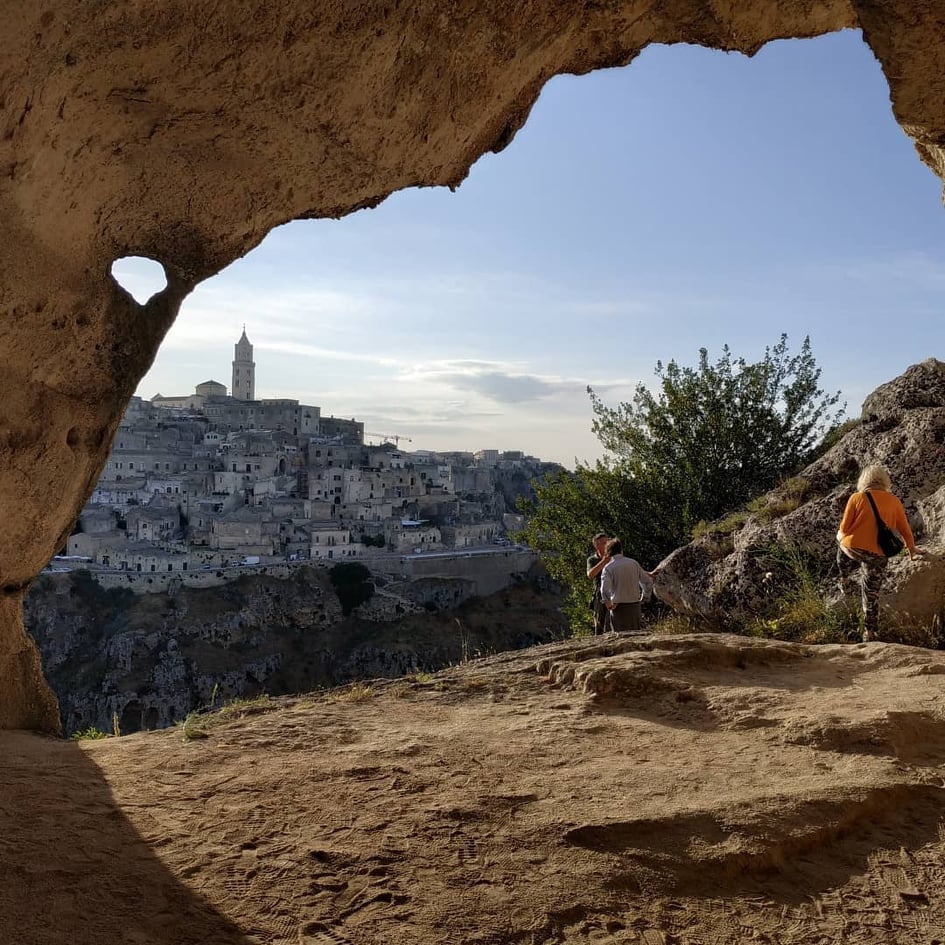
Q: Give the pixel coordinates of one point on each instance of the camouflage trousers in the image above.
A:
(601, 615)
(872, 570)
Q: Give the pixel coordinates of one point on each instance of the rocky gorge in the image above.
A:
(123, 662)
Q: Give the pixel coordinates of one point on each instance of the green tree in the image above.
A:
(704, 442)
(570, 507)
(712, 437)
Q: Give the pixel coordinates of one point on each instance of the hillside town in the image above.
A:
(217, 480)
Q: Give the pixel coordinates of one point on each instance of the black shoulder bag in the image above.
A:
(889, 541)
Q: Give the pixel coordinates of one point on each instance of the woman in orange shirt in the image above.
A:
(859, 541)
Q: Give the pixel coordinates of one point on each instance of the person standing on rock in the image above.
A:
(623, 585)
(595, 564)
(858, 541)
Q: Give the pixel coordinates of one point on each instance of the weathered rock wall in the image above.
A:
(185, 131)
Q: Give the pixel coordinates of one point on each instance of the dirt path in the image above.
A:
(670, 791)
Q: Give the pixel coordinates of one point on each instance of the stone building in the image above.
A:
(349, 431)
(333, 542)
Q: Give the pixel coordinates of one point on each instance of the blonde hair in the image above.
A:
(873, 477)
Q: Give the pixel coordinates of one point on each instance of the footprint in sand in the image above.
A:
(317, 933)
(468, 851)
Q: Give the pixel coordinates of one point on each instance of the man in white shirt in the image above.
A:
(623, 584)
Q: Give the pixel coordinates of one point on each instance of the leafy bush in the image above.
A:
(89, 734)
(699, 443)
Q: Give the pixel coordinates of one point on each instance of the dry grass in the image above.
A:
(673, 624)
(199, 722)
(802, 613)
(766, 508)
(356, 692)
(904, 628)
(723, 527)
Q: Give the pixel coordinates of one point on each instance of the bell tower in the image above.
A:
(244, 370)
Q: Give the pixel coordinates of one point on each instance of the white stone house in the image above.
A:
(142, 556)
(333, 542)
(144, 523)
(409, 536)
(240, 531)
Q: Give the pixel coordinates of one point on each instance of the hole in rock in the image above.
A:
(142, 278)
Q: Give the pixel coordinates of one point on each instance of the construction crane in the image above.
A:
(391, 438)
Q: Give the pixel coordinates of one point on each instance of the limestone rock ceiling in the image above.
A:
(185, 131)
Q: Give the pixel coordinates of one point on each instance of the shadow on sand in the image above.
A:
(74, 868)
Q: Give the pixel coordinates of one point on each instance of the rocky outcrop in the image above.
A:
(186, 134)
(147, 661)
(733, 571)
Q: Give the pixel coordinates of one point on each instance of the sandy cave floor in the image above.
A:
(661, 790)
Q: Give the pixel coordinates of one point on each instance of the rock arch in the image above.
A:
(186, 131)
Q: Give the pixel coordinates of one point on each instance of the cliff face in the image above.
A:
(149, 660)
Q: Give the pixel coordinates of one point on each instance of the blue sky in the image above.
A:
(694, 198)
